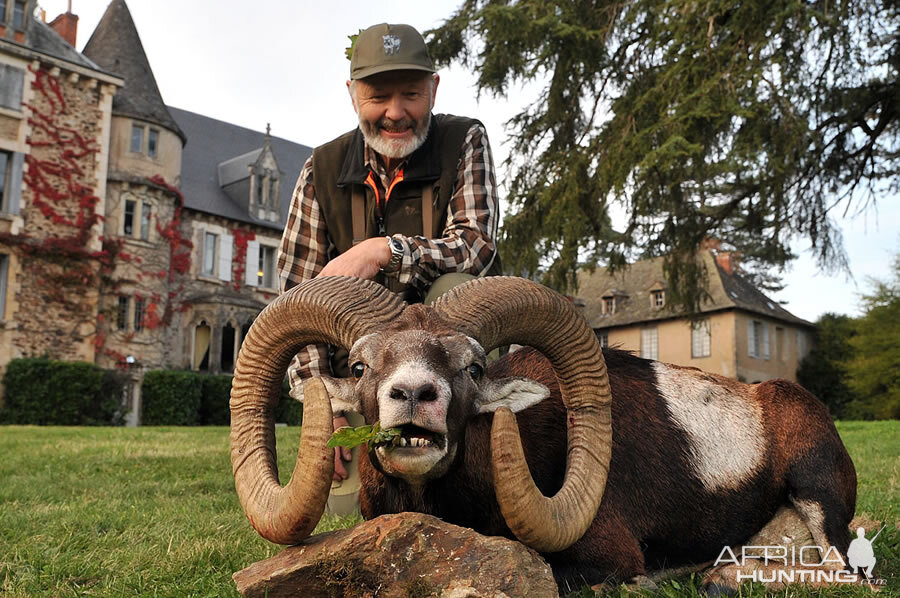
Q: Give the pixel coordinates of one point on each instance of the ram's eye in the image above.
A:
(357, 369)
(475, 370)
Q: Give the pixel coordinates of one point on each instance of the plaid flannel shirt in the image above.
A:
(466, 245)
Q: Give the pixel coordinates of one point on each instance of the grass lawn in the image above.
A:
(153, 511)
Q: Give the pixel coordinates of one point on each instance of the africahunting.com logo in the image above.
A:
(806, 564)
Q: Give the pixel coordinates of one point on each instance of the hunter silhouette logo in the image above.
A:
(860, 553)
(391, 44)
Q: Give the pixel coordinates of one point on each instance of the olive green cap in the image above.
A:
(387, 47)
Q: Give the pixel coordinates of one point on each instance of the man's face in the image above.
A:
(394, 110)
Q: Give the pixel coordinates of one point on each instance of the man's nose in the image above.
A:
(396, 109)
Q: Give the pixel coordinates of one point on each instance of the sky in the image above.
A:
(282, 62)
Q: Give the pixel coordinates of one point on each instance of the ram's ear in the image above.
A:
(340, 392)
(516, 393)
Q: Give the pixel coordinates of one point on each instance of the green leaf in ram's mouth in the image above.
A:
(350, 437)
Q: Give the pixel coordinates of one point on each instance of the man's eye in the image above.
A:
(475, 370)
(357, 369)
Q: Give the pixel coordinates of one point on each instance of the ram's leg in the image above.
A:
(786, 529)
(608, 553)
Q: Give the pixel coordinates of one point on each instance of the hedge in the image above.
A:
(41, 391)
(179, 398)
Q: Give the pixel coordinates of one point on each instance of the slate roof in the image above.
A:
(211, 142)
(42, 38)
(116, 47)
(632, 289)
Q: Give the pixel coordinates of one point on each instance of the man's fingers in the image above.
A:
(340, 472)
(346, 453)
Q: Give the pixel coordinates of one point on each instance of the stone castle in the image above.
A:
(132, 234)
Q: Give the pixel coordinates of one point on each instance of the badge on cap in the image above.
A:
(391, 44)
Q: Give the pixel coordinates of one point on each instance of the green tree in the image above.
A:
(874, 370)
(748, 122)
(823, 371)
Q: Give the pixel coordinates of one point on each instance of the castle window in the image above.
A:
(145, 221)
(122, 313)
(272, 193)
(210, 241)
(128, 222)
(266, 273)
(12, 81)
(5, 163)
(201, 347)
(259, 189)
(137, 210)
(152, 142)
(139, 309)
(228, 347)
(19, 15)
(137, 138)
(4, 274)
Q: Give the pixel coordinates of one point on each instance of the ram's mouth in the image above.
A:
(413, 437)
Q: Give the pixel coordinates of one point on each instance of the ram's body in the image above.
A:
(699, 462)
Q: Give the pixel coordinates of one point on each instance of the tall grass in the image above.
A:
(153, 511)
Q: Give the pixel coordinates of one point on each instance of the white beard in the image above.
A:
(395, 148)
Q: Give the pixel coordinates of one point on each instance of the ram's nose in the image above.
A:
(414, 394)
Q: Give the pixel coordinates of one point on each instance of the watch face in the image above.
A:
(397, 245)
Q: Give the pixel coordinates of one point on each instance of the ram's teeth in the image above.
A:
(428, 443)
(402, 441)
(418, 441)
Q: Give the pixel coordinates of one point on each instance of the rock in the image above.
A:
(409, 555)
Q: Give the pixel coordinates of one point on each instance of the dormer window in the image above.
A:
(657, 298)
(19, 15)
(609, 305)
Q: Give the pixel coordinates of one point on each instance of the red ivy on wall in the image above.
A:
(66, 270)
(241, 239)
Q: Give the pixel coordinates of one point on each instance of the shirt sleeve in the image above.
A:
(305, 249)
(468, 241)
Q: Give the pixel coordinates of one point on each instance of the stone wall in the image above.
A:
(58, 248)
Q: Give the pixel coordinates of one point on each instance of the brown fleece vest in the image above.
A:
(339, 169)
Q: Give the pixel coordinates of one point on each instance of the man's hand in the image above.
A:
(363, 260)
(341, 454)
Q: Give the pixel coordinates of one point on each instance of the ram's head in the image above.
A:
(421, 369)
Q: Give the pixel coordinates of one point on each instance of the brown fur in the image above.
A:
(655, 512)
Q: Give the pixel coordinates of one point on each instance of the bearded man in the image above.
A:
(405, 199)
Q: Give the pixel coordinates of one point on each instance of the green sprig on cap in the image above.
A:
(352, 38)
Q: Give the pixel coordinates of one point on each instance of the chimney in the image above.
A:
(66, 25)
(727, 260)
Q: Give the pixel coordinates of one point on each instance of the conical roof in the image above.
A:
(116, 47)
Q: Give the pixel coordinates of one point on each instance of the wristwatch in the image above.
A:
(397, 251)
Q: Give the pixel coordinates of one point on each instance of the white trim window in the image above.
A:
(136, 218)
(210, 244)
(757, 339)
(265, 275)
(649, 343)
(701, 339)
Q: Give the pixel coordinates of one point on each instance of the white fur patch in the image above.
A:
(724, 429)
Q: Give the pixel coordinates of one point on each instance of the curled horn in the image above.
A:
(499, 311)
(337, 311)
